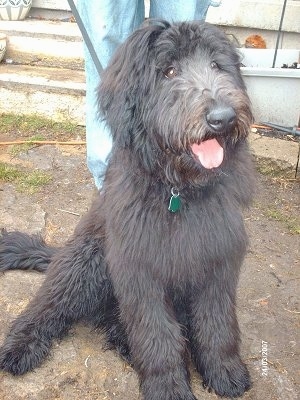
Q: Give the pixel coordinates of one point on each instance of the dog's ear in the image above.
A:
(126, 81)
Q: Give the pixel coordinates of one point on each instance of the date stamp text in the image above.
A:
(264, 358)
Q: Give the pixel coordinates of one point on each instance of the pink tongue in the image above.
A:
(209, 153)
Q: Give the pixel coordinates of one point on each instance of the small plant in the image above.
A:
(291, 223)
(29, 125)
(8, 173)
(25, 181)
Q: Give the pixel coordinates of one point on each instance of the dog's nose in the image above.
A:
(221, 118)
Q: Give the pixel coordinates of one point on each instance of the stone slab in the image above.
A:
(275, 156)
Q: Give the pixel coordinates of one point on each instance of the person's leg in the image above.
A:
(108, 24)
(180, 10)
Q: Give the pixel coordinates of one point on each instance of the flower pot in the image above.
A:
(14, 10)
(2, 45)
(274, 92)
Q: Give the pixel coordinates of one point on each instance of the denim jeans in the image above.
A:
(109, 23)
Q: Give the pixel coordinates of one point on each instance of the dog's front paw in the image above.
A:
(23, 357)
(171, 386)
(232, 380)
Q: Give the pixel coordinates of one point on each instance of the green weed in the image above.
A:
(291, 223)
(28, 125)
(25, 181)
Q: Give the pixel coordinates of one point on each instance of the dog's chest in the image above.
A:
(180, 245)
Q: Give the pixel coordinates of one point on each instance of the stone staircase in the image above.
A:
(43, 69)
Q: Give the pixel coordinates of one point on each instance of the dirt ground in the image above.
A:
(79, 367)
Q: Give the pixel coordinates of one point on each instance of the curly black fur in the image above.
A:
(160, 284)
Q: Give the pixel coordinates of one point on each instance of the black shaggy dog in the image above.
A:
(155, 262)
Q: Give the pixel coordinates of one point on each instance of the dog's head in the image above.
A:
(174, 96)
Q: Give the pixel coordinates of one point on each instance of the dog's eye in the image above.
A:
(170, 72)
(214, 65)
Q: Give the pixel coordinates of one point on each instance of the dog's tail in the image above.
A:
(22, 251)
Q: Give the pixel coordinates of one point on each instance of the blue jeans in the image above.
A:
(109, 23)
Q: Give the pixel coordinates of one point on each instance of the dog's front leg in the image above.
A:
(214, 334)
(156, 343)
(75, 286)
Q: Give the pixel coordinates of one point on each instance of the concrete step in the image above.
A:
(56, 93)
(43, 43)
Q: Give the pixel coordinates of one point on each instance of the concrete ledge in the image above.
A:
(52, 106)
(43, 28)
(54, 93)
(275, 156)
(43, 78)
(46, 43)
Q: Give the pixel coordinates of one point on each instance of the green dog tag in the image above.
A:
(175, 202)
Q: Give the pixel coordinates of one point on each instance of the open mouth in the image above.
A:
(209, 153)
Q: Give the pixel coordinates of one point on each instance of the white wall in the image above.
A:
(260, 14)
